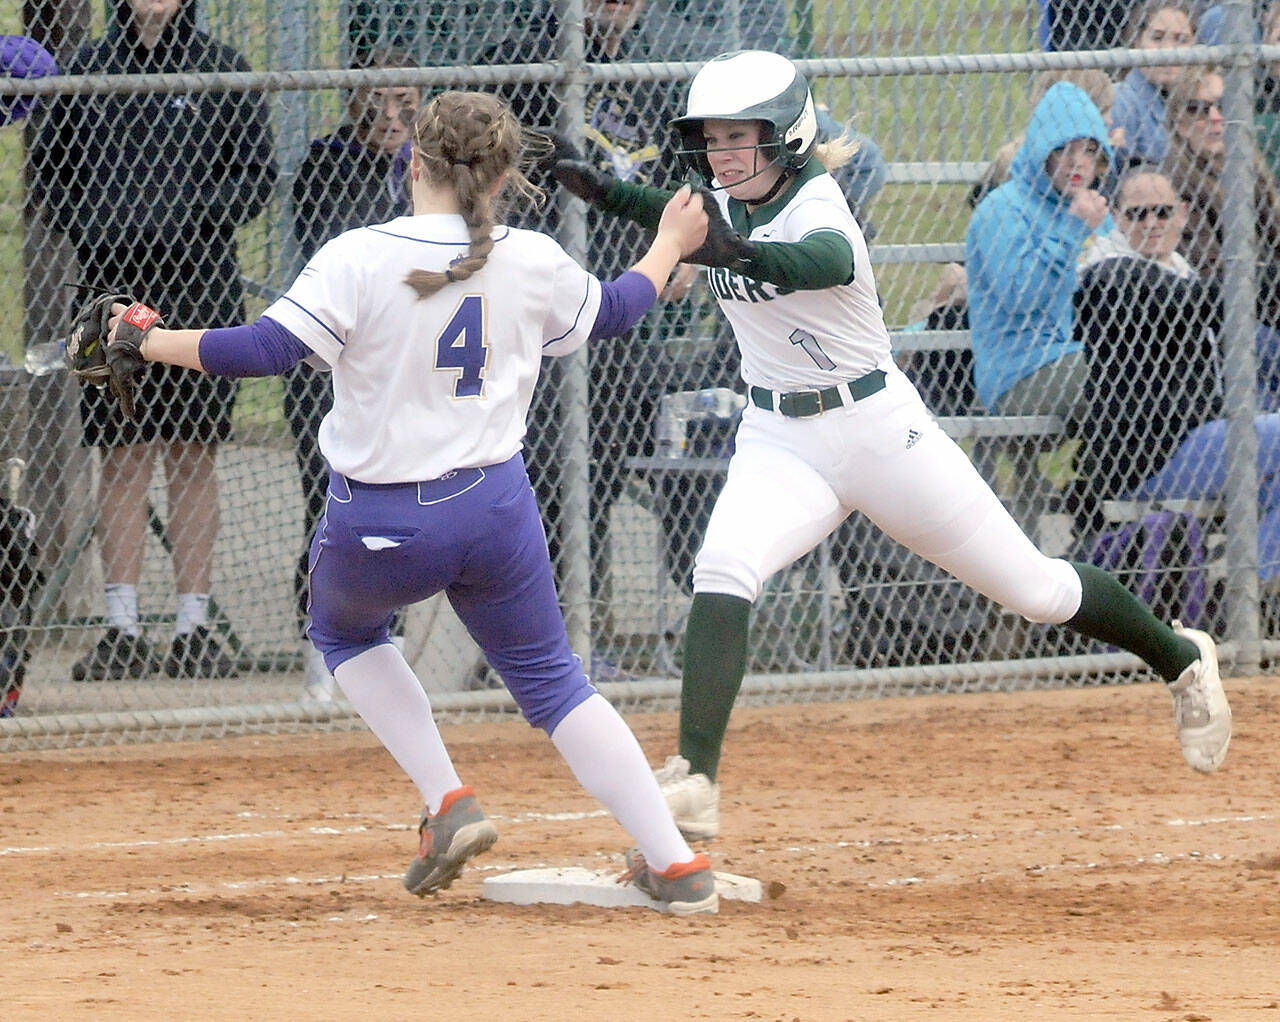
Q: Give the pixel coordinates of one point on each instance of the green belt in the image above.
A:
(803, 403)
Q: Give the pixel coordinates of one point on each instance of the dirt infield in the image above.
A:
(1027, 856)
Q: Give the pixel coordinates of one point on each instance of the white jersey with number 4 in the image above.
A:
(423, 386)
(801, 340)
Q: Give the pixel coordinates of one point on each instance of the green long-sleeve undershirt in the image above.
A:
(822, 259)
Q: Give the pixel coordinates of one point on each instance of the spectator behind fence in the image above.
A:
(945, 378)
(1140, 95)
(122, 174)
(352, 178)
(1022, 249)
(22, 57)
(1148, 323)
(1196, 153)
(625, 133)
(1097, 86)
(1152, 429)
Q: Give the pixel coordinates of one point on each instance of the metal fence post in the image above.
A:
(1239, 329)
(575, 523)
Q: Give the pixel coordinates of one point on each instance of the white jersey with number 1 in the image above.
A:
(424, 386)
(793, 480)
(801, 340)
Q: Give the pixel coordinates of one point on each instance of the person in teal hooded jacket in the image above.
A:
(1022, 249)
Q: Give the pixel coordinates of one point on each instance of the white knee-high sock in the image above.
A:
(608, 761)
(383, 689)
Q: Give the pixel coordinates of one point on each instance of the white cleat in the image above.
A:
(1200, 710)
(693, 799)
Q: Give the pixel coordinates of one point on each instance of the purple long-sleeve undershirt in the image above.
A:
(622, 302)
(262, 348)
(265, 348)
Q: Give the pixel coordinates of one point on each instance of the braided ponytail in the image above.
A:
(468, 140)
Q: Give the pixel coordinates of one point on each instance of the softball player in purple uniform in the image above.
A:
(433, 325)
(833, 427)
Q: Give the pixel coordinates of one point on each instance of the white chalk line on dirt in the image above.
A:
(265, 835)
(875, 842)
(1032, 869)
(266, 883)
(984, 875)
(950, 836)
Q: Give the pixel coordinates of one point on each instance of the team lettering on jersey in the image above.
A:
(733, 287)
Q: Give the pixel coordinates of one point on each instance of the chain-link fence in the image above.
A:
(1072, 302)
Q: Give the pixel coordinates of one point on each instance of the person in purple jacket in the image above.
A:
(22, 57)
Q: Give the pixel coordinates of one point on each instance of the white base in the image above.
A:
(574, 885)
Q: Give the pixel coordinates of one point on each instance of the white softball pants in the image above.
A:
(792, 482)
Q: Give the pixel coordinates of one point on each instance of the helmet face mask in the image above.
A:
(750, 85)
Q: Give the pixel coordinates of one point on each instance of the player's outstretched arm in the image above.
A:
(174, 347)
(261, 348)
(681, 230)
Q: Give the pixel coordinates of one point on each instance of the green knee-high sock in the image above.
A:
(715, 659)
(1112, 614)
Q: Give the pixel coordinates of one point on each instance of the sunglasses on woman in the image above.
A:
(1140, 214)
(1201, 107)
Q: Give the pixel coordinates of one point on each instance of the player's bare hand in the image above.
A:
(684, 220)
(677, 290)
(1089, 206)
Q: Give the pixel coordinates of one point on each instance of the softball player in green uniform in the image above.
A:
(833, 427)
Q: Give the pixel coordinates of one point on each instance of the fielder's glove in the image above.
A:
(723, 245)
(583, 178)
(551, 148)
(118, 366)
(565, 162)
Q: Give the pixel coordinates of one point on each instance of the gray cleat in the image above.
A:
(460, 831)
(685, 889)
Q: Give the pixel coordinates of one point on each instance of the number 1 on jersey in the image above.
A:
(461, 346)
(811, 347)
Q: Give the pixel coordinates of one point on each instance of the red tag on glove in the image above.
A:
(140, 316)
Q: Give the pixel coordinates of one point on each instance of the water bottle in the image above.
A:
(673, 426)
(719, 403)
(45, 358)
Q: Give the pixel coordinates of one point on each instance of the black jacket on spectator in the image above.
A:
(342, 184)
(125, 175)
(1153, 368)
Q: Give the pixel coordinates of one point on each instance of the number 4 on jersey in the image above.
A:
(461, 346)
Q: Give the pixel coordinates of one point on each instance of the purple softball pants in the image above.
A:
(476, 534)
